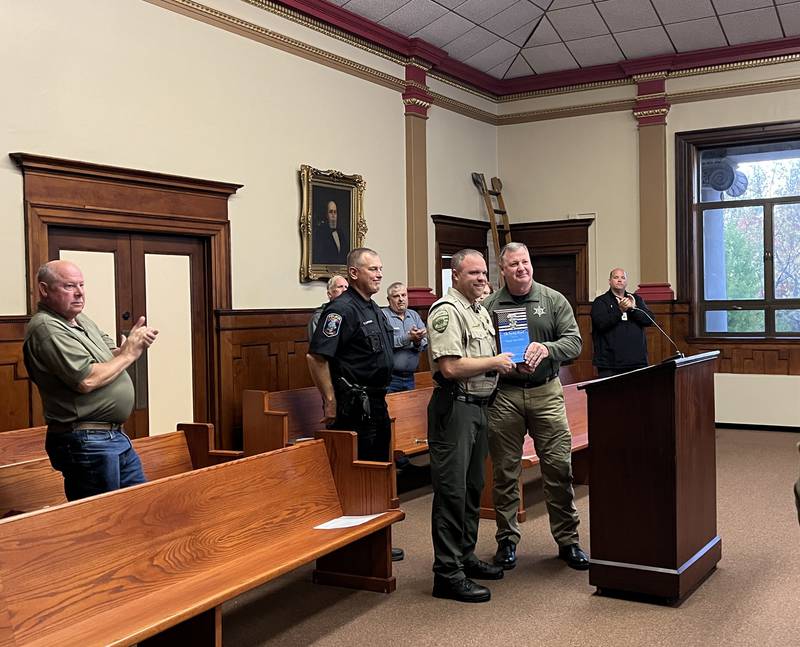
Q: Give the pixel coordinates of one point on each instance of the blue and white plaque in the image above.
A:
(512, 332)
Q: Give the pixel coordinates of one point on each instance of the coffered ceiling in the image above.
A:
(511, 39)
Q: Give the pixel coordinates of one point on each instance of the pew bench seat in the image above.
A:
(153, 564)
(33, 484)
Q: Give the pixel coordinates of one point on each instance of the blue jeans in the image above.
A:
(94, 462)
(400, 383)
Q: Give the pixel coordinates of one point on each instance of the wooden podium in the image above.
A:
(652, 467)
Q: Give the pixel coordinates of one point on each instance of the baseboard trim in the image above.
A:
(734, 425)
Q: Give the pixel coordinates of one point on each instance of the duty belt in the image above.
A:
(529, 384)
(473, 399)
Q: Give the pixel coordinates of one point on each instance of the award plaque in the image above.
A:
(512, 332)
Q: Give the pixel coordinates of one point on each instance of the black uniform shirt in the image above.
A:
(355, 338)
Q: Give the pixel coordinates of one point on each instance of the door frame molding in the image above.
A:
(69, 193)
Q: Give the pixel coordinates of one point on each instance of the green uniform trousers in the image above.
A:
(458, 446)
(539, 410)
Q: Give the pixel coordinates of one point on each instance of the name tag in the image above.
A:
(624, 316)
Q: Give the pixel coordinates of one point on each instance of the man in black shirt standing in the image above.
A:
(618, 322)
(351, 358)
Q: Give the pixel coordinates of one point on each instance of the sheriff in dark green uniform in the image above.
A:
(531, 399)
(465, 364)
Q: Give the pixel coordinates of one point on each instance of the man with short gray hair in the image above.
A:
(409, 337)
(336, 285)
(86, 391)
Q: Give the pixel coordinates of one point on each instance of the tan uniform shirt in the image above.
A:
(457, 329)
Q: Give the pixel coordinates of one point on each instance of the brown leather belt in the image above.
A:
(62, 427)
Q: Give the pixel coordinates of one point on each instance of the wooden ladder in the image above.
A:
(491, 211)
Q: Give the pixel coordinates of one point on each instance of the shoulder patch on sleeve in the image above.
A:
(440, 320)
(332, 324)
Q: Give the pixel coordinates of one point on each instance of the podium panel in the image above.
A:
(652, 498)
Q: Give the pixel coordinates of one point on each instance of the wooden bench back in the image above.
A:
(410, 412)
(21, 445)
(34, 484)
(69, 572)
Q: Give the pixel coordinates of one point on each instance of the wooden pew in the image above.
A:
(34, 484)
(153, 564)
(575, 403)
(22, 445)
(274, 419)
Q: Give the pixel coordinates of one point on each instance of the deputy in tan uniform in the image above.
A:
(465, 365)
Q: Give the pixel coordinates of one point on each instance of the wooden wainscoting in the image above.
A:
(20, 405)
(258, 349)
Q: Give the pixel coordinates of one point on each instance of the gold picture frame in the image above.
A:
(331, 221)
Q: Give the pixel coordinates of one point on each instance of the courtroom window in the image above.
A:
(747, 239)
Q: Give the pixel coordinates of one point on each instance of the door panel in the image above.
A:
(556, 271)
(98, 272)
(169, 370)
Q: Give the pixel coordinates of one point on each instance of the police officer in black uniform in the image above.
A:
(351, 358)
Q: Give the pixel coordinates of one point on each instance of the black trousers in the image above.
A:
(374, 433)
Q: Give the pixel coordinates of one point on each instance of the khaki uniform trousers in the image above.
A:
(539, 410)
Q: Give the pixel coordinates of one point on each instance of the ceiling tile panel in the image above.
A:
(339, 2)
(544, 34)
(577, 22)
(375, 10)
(638, 43)
(520, 36)
(790, 18)
(519, 68)
(499, 71)
(450, 4)
(679, 10)
(470, 43)
(480, 10)
(621, 15)
(696, 34)
(549, 58)
(512, 18)
(445, 29)
(598, 50)
(751, 26)
(785, 1)
(561, 4)
(493, 55)
(731, 6)
(413, 16)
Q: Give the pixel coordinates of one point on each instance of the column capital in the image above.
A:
(416, 97)
(651, 106)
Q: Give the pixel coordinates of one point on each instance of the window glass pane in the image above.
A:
(786, 245)
(733, 321)
(750, 172)
(787, 321)
(733, 253)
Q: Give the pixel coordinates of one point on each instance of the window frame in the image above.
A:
(689, 233)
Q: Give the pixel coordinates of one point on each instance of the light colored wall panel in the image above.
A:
(169, 360)
(101, 294)
(552, 169)
(457, 147)
(132, 84)
(757, 399)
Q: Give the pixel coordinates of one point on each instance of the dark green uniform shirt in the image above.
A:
(550, 322)
(59, 356)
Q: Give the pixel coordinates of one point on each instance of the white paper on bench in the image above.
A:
(347, 521)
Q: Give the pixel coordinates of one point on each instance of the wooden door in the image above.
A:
(160, 277)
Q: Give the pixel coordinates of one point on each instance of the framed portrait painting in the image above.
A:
(331, 221)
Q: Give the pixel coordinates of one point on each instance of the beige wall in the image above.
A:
(457, 147)
(552, 169)
(131, 84)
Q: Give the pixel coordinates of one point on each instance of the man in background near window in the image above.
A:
(336, 285)
(618, 322)
(409, 337)
(86, 392)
